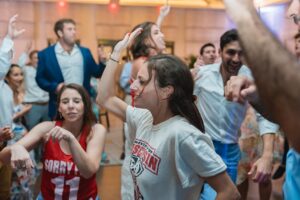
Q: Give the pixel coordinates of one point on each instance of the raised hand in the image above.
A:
(12, 31)
(164, 10)
(20, 159)
(127, 40)
(199, 62)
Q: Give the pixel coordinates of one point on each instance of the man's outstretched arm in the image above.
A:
(276, 71)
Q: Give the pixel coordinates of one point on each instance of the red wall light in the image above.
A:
(113, 7)
(62, 3)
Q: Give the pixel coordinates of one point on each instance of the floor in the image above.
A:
(109, 175)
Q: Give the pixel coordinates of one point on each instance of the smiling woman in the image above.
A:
(20, 185)
(72, 148)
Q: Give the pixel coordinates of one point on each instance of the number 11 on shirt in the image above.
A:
(59, 183)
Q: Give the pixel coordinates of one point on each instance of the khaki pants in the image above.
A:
(5, 181)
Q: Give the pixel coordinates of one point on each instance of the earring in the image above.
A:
(60, 115)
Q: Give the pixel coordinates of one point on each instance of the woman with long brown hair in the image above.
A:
(171, 156)
(72, 148)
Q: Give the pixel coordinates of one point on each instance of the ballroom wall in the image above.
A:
(188, 28)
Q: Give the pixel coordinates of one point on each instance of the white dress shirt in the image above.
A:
(33, 93)
(71, 64)
(6, 94)
(222, 118)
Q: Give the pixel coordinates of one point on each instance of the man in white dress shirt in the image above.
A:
(222, 118)
(6, 101)
(65, 62)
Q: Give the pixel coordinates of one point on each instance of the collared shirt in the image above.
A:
(6, 94)
(33, 93)
(71, 64)
(222, 118)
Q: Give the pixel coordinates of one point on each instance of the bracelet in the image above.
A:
(113, 60)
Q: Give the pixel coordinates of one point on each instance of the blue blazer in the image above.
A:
(49, 74)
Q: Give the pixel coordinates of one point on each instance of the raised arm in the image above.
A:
(7, 45)
(274, 68)
(106, 90)
(24, 56)
(164, 11)
(5, 56)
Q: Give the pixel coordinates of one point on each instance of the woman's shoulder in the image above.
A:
(98, 131)
(183, 128)
(138, 115)
(98, 127)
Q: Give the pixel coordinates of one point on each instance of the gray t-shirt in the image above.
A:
(171, 159)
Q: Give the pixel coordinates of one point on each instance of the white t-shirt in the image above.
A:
(169, 159)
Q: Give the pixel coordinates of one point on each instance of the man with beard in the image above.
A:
(277, 76)
(65, 62)
(222, 118)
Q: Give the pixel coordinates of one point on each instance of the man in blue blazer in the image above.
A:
(64, 63)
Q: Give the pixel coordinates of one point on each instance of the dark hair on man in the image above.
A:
(227, 37)
(140, 46)
(89, 118)
(32, 53)
(59, 25)
(297, 36)
(204, 46)
(171, 71)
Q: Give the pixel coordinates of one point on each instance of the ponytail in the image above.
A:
(170, 70)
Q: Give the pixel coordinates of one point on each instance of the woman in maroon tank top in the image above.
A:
(72, 148)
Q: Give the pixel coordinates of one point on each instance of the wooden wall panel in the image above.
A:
(206, 18)
(188, 28)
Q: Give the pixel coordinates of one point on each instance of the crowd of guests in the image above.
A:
(188, 134)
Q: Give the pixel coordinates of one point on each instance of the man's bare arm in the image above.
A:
(276, 71)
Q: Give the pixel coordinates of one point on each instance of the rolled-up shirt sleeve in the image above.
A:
(265, 126)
